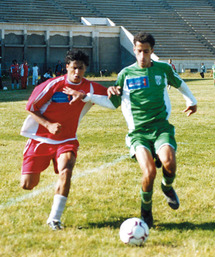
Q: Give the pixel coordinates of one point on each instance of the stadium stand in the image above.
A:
(32, 11)
(183, 29)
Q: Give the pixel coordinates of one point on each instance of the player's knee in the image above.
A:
(27, 186)
(169, 163)
(149, 174)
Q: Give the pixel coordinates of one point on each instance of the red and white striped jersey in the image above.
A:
(53, 104)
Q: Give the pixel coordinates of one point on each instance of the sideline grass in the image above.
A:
(99, 202)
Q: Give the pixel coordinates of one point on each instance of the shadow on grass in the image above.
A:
(186, 226)
(111, 224)
(194, 79)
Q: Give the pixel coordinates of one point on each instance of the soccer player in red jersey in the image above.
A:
(51, 128)
(24, 74)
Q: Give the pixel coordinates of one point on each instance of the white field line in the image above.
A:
(14, 201)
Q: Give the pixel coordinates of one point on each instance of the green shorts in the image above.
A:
(152, 138)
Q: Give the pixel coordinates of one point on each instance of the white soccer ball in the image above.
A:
(4, 88)
(134, 231)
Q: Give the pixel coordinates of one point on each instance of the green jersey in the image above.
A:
(143, 99)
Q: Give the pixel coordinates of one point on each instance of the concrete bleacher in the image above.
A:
(168, 22)
(182, 28)
(200, 17)
(32, 11)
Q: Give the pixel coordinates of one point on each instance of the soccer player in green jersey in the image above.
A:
(141, 90)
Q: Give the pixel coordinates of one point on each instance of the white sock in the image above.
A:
(57, 208)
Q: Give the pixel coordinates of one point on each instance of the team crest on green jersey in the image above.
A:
(158, 80)
(138, 83)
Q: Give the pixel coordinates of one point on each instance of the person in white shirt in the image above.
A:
(35, 74)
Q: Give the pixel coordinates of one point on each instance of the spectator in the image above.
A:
(35, 74)
(46, 76)
(102, 72)
(202, 73)
(173, 66)
(59, 69)
(24, 74)
(14, 72)
(29, 73)
(64, 71)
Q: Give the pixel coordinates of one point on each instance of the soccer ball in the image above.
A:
(4, 88)
(134, 231)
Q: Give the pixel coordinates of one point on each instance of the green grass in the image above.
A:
(101, 200)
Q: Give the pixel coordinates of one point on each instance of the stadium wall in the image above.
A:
(191, 65)
(108, 46)
(46, 44)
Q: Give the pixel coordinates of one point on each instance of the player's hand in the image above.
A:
(190, 110)
(76, 95)
(113, 91)
(54, 128)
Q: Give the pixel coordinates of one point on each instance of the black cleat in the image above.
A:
(147, 217)
(172, 199)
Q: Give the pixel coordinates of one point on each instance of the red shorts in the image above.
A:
(37, 155)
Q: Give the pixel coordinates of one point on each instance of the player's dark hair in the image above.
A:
(75, 55)
(144, 37)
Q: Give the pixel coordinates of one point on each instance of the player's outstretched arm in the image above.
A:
(190, 110)
(113, 91)
(190, 99)
(101, 100)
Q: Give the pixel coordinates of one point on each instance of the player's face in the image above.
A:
(75, 71)
(143, 53)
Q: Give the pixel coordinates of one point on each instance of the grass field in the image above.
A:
(105, 186)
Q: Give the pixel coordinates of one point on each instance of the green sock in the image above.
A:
(166, 183)
(146, 200)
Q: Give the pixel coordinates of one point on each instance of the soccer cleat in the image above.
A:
(147, 217)
(55, 225)
(172, 199)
